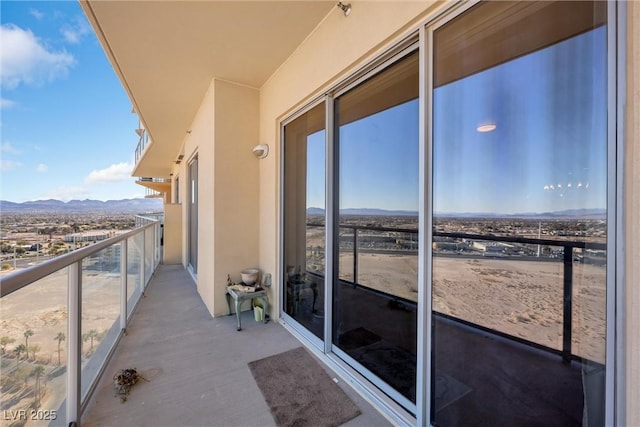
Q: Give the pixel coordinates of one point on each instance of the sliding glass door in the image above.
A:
(375, 238)
(304, 219)
(520, 215)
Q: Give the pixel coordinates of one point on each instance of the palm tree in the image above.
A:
(18, 350)
(91, 335)
(34, 348)
(4, 341)
(27, 334)
(37, 372)
(60, 337)
(23, 374)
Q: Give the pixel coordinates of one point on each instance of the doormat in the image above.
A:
(299, 392)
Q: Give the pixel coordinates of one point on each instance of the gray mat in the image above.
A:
(299, 392)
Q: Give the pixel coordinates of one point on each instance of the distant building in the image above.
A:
(87, 236)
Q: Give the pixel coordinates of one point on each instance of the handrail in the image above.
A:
(495, 238)
(19, 279)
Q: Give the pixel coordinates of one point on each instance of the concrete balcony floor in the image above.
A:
(196, 365)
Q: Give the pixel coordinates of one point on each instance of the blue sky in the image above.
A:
(379, 160)
(67, 131)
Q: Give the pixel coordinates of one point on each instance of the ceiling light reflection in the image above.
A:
(486, 127)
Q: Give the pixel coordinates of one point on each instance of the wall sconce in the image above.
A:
(346, 8)
(261, 151)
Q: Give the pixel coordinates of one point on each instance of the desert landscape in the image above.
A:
(41, 308)
(519, 298)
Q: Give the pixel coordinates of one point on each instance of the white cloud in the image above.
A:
(67, 193)
(6, 147)
(114, 173)
(42, 168)
(73, 33)
(9, 165)
(25, 60)
(36, 14)
(5, 103)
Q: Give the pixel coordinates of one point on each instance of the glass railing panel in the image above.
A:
(589, 304)
(315, 249)
(33, 373)
(346, 239)
(100, 328)
(134, 265)
(507, 287)
(387, 261)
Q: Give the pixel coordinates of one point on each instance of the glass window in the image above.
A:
(520, 177)
(193, 215)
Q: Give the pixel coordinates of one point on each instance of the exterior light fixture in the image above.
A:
(261, 151)
(486, 127)
(346, 8)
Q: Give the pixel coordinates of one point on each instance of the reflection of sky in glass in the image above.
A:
(379, 160)
(548, 152)
(315, 170)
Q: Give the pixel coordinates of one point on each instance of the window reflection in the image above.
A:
(519, 247)
(375, 285)
(304, 214)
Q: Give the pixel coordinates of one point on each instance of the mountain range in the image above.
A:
(140, 205)
(568, 213)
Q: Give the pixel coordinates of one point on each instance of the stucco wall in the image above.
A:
(236, 209)
(223, 132)
(200, 142)
(172, 234)
(632, 215)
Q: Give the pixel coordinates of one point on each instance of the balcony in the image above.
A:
(156, 187)
(196, 366)
(108, 307)
(142, 144)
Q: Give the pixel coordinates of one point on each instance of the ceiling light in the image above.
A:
(346, 8)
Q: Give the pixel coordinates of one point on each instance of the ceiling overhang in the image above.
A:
(167, 52)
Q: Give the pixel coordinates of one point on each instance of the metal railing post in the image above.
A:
(123, 284)
(74, 343)
(567, 313)
(355, 256)
(143, 262)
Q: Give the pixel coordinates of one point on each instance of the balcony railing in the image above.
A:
(71, 311)
(355, 240)
(142, 143)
